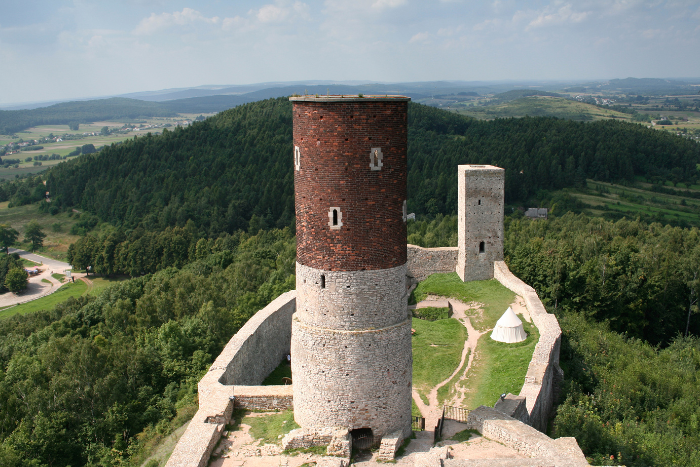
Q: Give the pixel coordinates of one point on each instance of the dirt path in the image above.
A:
(432, 412)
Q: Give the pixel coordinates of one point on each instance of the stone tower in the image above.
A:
(351, 333)
(480, 220)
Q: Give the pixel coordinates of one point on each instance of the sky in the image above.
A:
(61, 49)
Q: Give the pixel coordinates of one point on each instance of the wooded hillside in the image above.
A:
(222, 171)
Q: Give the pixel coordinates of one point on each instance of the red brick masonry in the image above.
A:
(335, 137)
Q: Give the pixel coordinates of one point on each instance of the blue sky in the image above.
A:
(58, 49)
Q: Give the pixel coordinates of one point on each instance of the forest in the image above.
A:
(78, 383)
(222, 171)
(202, 220)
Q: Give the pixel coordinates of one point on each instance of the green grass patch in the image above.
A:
(445, 392)
(464, 435)
(415, 411)
(431, 313)
(56, 243)
(58, 277)
(318, 450)
(494, 296)
(270, 427)
(499, 368)
(28, 263)
(283, 370)
(47, 303)
(437, 351)
(101, 283)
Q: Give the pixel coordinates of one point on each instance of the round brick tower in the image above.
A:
(351, 333)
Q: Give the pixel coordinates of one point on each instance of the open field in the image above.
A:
(437, 351)
(610, 200)
(65, 147)
(542, 106)
(491, 294)
(56, 243)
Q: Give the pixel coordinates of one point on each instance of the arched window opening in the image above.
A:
(335, 217)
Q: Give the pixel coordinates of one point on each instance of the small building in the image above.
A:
(536, 213)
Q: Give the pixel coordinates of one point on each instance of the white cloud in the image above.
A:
(385, 4)
(420, 37)
(271, 13)
(565, 14)
(185, 17)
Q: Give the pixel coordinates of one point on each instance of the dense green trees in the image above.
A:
(79, 382)
(16, 279)
(8, 237)
(222, 171)
(34, 234)
(640, 278)
(627, 402)
(8, 263)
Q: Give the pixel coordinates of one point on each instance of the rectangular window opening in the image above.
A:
(323, 281)
(481, 247)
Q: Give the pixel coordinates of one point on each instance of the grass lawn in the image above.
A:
(437, 351)
(499, 368)
(270, 427)
(431, 313)
(46, 303)
(284, 370)
(491, 294)
(101, 283)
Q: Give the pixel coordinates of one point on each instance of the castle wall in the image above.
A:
(251, 354)
(260, 345)
(543, 373)
(423, 262)
(480, 220)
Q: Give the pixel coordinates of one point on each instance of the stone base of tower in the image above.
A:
(353, 379)
(474, 269)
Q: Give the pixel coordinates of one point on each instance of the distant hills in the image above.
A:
(212, 99)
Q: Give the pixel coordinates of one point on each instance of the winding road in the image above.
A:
(36, 288)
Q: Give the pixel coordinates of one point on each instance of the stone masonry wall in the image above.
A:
(423, 262)
(260, 345)
(250, 355)
(544, 370)
(351, 300)
(480, 220)
(353, 379)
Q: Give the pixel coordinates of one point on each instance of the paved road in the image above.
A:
(55, 265)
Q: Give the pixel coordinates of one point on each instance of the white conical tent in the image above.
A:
(509, 328)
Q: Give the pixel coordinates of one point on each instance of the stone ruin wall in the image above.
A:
(251, 354)
(264, 340)
(422, 262)
(543, 373)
